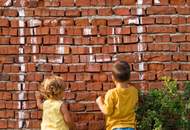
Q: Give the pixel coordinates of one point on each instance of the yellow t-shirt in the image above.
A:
(52, 118)
(119, 106)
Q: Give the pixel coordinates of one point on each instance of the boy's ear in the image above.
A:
(113, 79)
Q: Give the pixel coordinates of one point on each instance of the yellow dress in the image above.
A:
(52, 118)
(119, 105)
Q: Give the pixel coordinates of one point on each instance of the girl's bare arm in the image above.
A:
(67, 117)
(39, 100)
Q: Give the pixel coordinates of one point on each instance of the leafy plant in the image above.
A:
(166, 108)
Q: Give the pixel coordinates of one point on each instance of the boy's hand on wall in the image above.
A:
(99, 100)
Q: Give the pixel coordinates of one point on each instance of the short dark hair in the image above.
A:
(121, 71)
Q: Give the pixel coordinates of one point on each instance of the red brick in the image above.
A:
(128, 48)
(162, 2)
(95, 86)
(114, 40)
(160, 10)
(185, 67)
(134, 11)
(179, 75)
(44, 67)
(71, 59)
(177, 2)
(184, 28)
(98, 2)
(86, 96)
(121, 11)
(112, 2)
(103, 30)
(60, 68)
(162, 47)
(130, 39)
(105, 12)
(42, 31)
(154, 84)
(11, 49)
(67, 22)
(157, 57)
(78, 86)
(163, 20)
(114, 22)
(155, 67)
(178, 38)
(96, 125)
(162, 38)
(77, 107)
(128, 2)
(56, 30)
(149, 75)
(159, 29)
(130, 58)
(73, 31)
(99, 22)
(67, 3)
(147, 38)
(4, 22)
(72, 13)
(69, 77)
(79, 50)
(82, 22)
(148, 20)
(91, 107)
(41, 12)
(183, 10)
(83, 77)
(10, 13)
(3, 124)
(88, 12)
(108, 49)
(100, 77)
(4, 40)
(82, 2)
(179, 20)
(93, 68)
(184, 47)
(33, 123)
(34, 76)
(171, 67)
(162, 74)
(179, 57)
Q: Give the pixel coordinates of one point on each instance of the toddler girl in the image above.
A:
(55, 113)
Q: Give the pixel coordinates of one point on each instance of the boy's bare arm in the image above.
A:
(100, 103)
(39, 100)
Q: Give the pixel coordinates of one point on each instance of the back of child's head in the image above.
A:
(52, 87)
(121, 71)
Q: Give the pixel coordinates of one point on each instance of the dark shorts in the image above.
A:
(124, 129)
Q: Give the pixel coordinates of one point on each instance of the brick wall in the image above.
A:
(79, 40)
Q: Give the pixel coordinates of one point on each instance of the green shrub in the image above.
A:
(166, 108)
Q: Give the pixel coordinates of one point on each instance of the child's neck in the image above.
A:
(122, 84)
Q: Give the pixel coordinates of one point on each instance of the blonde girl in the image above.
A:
(55, 113)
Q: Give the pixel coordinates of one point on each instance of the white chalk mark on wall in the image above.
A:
(7, 3)
(87, 31)
(157, 1)
(140, 46)
(133, 21)
(21, 84)
(92, 59)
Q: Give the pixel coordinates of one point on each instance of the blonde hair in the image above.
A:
(52, 87)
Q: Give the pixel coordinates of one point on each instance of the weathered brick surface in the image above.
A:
(79, 40)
